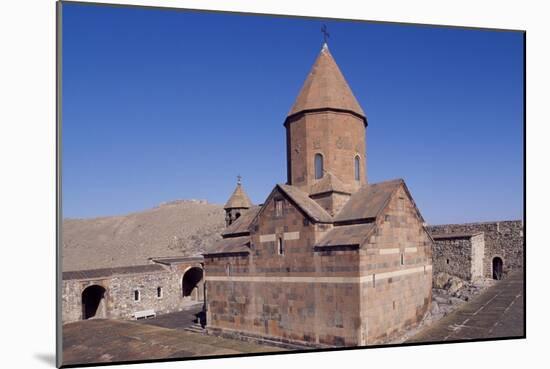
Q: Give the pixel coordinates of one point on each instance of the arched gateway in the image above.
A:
(497, 268)
(190, 283)
(93, 302)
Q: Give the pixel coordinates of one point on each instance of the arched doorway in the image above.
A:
(93, 302)
(497, 268)
(189, 283)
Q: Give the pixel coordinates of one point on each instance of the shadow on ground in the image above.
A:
(46, 358)
(103, 340)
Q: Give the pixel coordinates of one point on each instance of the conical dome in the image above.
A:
(239, 199)
(326, 87)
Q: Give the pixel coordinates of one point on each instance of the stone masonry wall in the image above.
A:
(338, 137)
(332, 202)
(502, 239)
(119, 297)
(462, 257)
(398, 258)
(282, 296)
(343, 297)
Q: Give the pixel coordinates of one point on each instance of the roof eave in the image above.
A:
(354, 221)
(226, 254)
(291, 117)
(235, 235)
(350, 247)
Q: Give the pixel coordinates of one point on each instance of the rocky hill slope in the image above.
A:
(183, 227)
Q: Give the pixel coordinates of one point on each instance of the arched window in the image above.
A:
(318, 166)
(357, 168)
(237, 216)
(281, 248)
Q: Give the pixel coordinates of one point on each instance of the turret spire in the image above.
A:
(238, 203)
(326, 88)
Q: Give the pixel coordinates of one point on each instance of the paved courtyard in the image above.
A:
(178, 320)
(102, 340)
(497, 312)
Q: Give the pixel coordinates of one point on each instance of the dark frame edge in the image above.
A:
(525, 184)
(59, 215)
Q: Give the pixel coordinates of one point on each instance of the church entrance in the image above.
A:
(497, 268)
(93, 302)
(190, 284)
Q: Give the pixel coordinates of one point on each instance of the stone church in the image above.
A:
(328, 259)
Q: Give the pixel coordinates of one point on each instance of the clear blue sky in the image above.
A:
(161, 105)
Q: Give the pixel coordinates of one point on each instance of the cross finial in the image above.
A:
(326, 35)
(239, 179)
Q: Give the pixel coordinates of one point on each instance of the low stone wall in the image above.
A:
(502, 239)
(119, 298)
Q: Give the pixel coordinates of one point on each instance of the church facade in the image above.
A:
(328, 259)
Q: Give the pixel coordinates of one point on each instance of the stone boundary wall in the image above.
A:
(503, 239)
(119, 302)
(459, 256)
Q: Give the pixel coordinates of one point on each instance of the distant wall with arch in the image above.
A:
(118, 293)
(502, 239)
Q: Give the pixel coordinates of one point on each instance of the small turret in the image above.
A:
(237, 205)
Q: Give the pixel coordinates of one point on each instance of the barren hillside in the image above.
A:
(183, 227)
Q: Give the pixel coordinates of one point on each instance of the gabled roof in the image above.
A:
(173, 260)
(369, 201)
(234, 245)
(328, 183)
(309, 206)
(239, 199)
(240, 226)
(349, 235)
(326, 87)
